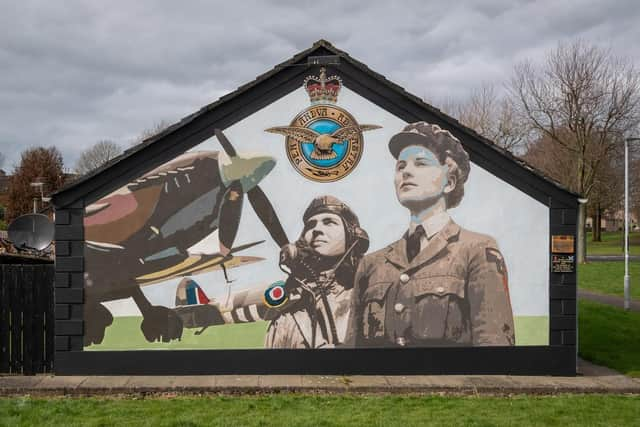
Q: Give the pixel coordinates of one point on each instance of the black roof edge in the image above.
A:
(296, 60)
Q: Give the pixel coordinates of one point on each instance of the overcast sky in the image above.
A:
(73, 73)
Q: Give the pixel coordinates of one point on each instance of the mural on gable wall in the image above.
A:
(176, 258)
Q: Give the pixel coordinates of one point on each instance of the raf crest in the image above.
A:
(324, 142)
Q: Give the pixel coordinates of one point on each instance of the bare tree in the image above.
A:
(634, 181)
(584, 100)
(553, 160)
(492, 116)
(157, 128)
(96, 156)
(608, 191)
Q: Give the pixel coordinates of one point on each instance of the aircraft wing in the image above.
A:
(234, 250)
(196, 264)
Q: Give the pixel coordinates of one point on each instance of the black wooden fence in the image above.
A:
(26, 318)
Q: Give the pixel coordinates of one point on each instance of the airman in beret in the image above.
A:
(439, 285)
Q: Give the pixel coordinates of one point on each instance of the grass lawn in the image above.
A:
(607, 278)
(314, 410)
(612, 244)
(610, 336)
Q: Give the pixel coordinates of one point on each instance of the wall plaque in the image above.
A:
(563, 263)
(562, 244)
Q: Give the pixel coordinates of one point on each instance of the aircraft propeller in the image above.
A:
(232, 207)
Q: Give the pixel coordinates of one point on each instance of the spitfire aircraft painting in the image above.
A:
(140, 234)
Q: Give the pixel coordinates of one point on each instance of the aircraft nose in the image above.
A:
(249, 170)
(258, 168)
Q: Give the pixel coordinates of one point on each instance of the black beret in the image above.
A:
(438, 140)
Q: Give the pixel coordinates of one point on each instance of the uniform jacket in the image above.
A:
(311, 327)
(454, 292)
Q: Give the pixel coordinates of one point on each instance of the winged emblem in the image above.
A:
(322, 143)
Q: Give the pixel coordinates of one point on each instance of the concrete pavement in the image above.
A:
(594, 379)
(608, 299)
(599, 258)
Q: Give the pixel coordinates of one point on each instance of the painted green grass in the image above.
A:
(532, 330)
(125, 334)
(321, 410)
(609, 336)
(607, 278)
(612, 244)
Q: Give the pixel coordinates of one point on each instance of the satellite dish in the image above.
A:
(32, 231)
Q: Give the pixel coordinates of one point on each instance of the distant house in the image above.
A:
(614, 221)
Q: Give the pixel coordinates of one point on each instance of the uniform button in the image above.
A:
(398, 307)
(404, 278)
(401, 341)
(440, 290)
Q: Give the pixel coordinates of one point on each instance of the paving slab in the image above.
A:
(17, 382)
(194, 382)
(452, 382)
(325, 382)
(411, 381)
(237, 382)
(617, 382)
(62, 383)
(490, 383)
(539, 384)
(151, 383)
(104, 383)
(280, 382)
(364, 383)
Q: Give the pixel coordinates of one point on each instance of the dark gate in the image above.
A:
(26, 318)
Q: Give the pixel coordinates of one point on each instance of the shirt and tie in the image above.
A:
(419, 234)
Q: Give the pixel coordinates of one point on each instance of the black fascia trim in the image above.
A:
(524, 360)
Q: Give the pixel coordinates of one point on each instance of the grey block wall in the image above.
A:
(562, 286)
(69, 281)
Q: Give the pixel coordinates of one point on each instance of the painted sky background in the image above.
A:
(491, 206)
(77, 72)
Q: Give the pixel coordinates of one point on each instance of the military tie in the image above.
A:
(413, 243)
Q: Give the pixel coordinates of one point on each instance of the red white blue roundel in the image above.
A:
(275, 295)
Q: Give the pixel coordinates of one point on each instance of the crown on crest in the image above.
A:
(323, 89)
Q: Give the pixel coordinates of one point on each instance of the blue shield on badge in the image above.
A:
(325, 126)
